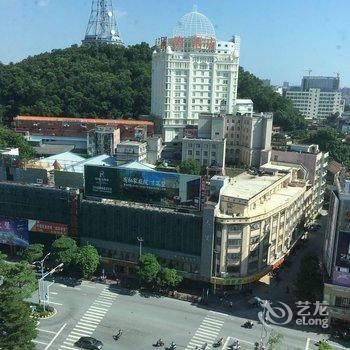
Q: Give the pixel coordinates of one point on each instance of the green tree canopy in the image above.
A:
(88, 80)
(309, 281)
(148, 267)
(266, 100)
(87, 260)
(64, 250)
(17, 328)
(330, 140)
(325, 346)
(18, 278)
(168, 278)
(190, 166)
(9, 138)
(275, 341)
(33, 252)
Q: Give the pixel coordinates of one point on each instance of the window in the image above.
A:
(213, 154)
(189, 152)
(205, 153)
(198, 153)
(234, 242)
(342, 302)
(233, 256)
(198, 145)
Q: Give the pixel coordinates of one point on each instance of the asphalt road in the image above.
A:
(99, 310)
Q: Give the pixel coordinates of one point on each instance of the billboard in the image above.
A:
(144, 186)
(14, 231)
(341, 278)
(343, 250)
(47, 227)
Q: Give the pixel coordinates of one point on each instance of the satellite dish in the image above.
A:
(113, 32)
(110, 13)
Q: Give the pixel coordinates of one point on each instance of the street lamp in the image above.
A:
(215, 268)
(140, 239)
(263, 304)
(49, 273)
(41, 262)
(47, 294)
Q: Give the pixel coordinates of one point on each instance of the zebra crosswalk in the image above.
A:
(90, 320)
(207, 332)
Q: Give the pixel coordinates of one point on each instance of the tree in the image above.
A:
(87, 260)
(190, 166)
(266, 100)
(64, 250)
(324, 346)
(17, 327)
(275, 341)
(33, 252)
(309, 281)
(9, 138)
(168, 278)
(18, 278)
(148, 267)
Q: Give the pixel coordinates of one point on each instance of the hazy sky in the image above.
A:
(281, 39)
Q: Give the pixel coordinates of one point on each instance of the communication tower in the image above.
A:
(102, 26)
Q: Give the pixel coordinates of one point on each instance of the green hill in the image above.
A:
(105, 81)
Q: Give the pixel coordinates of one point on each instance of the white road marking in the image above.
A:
(98, 308)
(68, 347)
(226, 343)
(39, 342)
(46, 331)
(51, 302)
(54, 293)
(207, 332)
(307, 344)
(54, 338)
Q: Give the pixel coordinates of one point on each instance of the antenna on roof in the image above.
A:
(195, 8)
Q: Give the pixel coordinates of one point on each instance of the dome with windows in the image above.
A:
(194, 24)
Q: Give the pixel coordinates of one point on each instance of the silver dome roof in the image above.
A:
(194, 24)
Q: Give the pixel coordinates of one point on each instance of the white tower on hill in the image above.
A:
(192, 73)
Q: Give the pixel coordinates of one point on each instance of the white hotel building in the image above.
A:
(192, 73)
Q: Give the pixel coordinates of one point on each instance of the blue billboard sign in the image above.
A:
(14, 231)
(143, 186)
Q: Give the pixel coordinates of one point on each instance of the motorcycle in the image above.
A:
(218, 343)
(236, 345)
(159, 343)
(118, 335)
(172, 346)
(248, 324)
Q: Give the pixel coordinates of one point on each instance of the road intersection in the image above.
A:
(100, 310)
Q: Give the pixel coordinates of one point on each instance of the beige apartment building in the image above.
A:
(258, 217)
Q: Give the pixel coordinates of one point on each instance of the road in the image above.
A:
(100, 310)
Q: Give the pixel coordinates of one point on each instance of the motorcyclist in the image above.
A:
(119, 333)
(172, 345)
(160, 342)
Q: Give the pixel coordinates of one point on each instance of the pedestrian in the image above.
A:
(230, 304)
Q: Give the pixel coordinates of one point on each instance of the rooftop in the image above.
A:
(136, 166)
(194, 24)
(131, 143)
(65, 159)
(246, 186)
(103, 159)
(83, 120)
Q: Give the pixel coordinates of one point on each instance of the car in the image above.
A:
(89, 343)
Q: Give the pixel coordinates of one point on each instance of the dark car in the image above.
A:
(89, 343)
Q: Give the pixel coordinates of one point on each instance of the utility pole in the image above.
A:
(41, 262)
(140, 239)
(49, 273)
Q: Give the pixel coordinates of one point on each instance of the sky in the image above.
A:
(280, 39)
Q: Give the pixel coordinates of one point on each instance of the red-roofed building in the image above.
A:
(64, 130)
